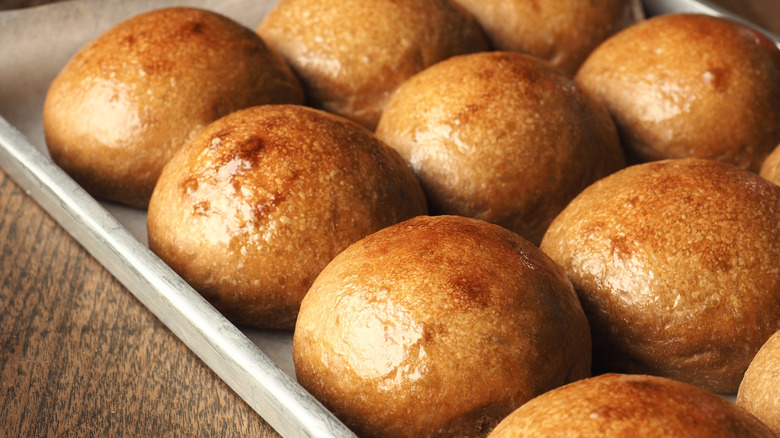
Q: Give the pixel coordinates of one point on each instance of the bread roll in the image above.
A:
(770, 169)
(262, 199)
(502, 137)
(614, 405)
(676, 264)
(563, 32)
(352, 54)
(687, 85)
(437, 327)
(759, 391)
(129, 99)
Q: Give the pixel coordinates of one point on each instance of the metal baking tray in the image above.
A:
(256, 364)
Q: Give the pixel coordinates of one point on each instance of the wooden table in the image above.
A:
(80, 356)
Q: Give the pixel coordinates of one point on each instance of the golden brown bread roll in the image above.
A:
(438, 326)
(759, 391)
(261, 200)
(770, 169)
(129, 99)
(502, 137)
(687, 85)
(352, 54)
(563, 32)
(613, 405)
(676, 264)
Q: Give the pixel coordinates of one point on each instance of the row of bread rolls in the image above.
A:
(443, 325)
(675, 264)
(125, 102)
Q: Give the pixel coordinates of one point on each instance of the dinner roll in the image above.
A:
(352, 54)
(438, 327)
(770, 169)
(688, 85)
(502, 137)
(260, 200)
(613, 405)
(759, 391)
(563, 32)
(676, 264)
(130, 98)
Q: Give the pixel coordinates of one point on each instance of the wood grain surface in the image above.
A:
(80, 356)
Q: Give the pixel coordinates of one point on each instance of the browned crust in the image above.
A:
(262, 199)
(687, 85)
(562, 32)
(501, 136)
(130, 98)
(613, 405)
(438, 326)
(676, 263)
(352, 54)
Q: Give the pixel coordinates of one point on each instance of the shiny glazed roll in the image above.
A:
(563, 32)
(502, 137)
(676, 265)
(261, 200)
(128, 100)
(688, 85)
(438, 327)
(616, 406)
(352, 54)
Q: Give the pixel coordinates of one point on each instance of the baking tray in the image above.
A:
(256, 364)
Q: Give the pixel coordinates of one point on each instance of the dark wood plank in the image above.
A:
(80, 356)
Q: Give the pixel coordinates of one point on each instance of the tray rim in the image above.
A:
(272, 393)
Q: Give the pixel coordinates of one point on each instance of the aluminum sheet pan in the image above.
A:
(34, 45)
(659, 7)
